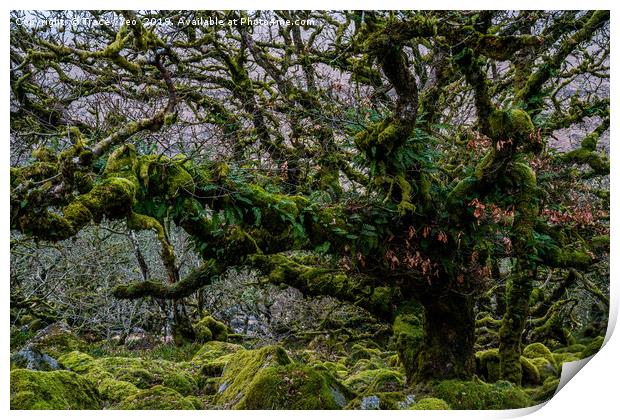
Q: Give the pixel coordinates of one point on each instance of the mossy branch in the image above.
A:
(318, 281)
(200, 277)
(537, 79)
(586, 154)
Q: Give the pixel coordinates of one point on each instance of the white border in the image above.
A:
(592, 394)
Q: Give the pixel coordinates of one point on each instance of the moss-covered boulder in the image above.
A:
(203, 333)
(478, 395)
(242, 369)
(210, 362)
(430, 404)
(307, 356)
(535, 350)
(55, 340)
(145, 373)
(56, 390)
(159, 398)
(30, 358)
(142, 373)
(214, 350)
(77, 361)
(530, 373)
(487, 364)
(359, 352)
(336, 369)
(373, 363)
(538, 355)
(86, 365)
(378, 380)
(294, 387)
(214, 367)
(208, 328)
(545, 368)
(114, 392)
(398, 400)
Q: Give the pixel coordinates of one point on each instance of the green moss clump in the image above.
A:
(430, 404)
(530, 372)
(157, 398)
(281, 269)
(77, 361)
(514, 124)
(381, 299)
(381, 138)
(478, 395)
(378, 380)
(44, 154)
(339, 370)
(485, 165)
(242, 369)
(215, 367)
(546, 368)
(203, 333)
(593, 347)
(359, 352)
(487, 364)
(56, 340)
(208, 328)
(214, 350)
(504, 47)
(56, 390)
(374, 363)
(114, 392)
(294, 387)
(122, 161)
(535, 350)
(598, 162)
(145, 373)
(85, 365)
(142, 373)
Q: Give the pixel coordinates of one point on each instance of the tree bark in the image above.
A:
(513, 324)
(448, 348)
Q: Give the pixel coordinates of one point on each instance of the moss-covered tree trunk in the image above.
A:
(182, 330)
(408, 329)
(520, 285)
(517, 310)
(448, 348)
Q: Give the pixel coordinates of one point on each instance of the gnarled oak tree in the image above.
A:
(419, 149)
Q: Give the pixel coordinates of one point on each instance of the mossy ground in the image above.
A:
(159, 398)
(224, 375)
(57, 390)
(478, 395)
(294, 387)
